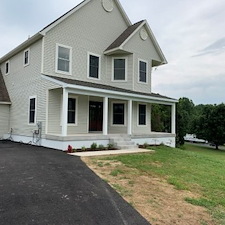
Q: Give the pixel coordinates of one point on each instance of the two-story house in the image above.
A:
(84, 78)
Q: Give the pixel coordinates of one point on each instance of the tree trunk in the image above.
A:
(217, 147)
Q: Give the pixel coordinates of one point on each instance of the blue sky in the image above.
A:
(190, 33)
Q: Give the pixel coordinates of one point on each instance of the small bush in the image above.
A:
(101, 147)
(83, 148)
(145, 145)
(111, 146)
(94, 146)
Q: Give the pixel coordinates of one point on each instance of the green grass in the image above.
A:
(198, 169)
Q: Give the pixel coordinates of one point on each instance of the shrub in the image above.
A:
(94, 146)
(83, 148)
(111, 146)
(101, 147)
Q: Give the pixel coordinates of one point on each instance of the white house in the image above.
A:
(84, 78)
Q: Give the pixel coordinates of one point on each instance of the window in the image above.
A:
(7, 68)
(32, 110)
(71, 111)
(142, 72)
(119, 69)
(94, 66)
(26, 57)
(118, 113)
(64, 59)
(142, 114)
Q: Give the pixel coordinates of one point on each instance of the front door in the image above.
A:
(95, 116)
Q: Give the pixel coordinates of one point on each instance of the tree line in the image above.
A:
(205, 121)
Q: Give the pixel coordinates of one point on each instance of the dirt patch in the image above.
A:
(159, 202)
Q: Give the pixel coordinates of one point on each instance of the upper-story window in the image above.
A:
(143, 71)
(94, 66)
(119, 69)
(26, 57)
(64, 59)
(7, 67)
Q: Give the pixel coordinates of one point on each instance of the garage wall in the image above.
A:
(4, 120)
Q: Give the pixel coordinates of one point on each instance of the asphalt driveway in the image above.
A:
(48, 187)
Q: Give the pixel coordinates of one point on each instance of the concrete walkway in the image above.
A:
(111, 152)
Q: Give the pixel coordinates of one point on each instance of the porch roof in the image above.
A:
(4, 96)
(65, 81)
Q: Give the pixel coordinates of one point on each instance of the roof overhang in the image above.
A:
(91, 91)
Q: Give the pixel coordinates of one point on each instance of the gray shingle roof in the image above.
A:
(123, 37)
(107, 87)
(4, 96)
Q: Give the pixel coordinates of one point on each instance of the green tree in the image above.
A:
(210, 124)
(184, 116)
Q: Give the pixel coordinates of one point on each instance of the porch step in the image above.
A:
(122, 142)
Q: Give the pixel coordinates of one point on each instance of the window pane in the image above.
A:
(71, 110)
(119, 69)
(6, 67)
(142, 71)
(142, 114)
(93, 66)
(63, 65)
(32, 111)
(118, 114)
(64, 53)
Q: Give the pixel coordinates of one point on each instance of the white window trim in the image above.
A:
(88, 66)
(126, 67)
(141, 82)
(140, 125)
(125, 114)
(56, 59)
(35, 116)
(27, 64)
(7, 62)
(76, 112)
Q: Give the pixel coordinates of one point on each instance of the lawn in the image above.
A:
(199, 170)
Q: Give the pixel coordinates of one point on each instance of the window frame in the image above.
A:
(24, 57)
(35, 110)
(139, 71)
(7, 69)
(113, 72)
(88, 66)
(112, 113)
(57, 58)
(138, 115)
(76, 111)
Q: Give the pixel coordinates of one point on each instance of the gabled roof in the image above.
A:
(118, 45)
(4, 96)
(41, 33)
(124, 36)
(65, 81)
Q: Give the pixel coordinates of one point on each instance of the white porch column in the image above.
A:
(64, 112)
(129, 118)
(105, 115)
(173, 119)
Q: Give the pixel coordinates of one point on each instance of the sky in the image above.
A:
(190, 33)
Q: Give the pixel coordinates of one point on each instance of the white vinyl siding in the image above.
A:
(63, 59)
(4, 120)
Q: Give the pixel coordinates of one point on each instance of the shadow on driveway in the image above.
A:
(48, 187)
